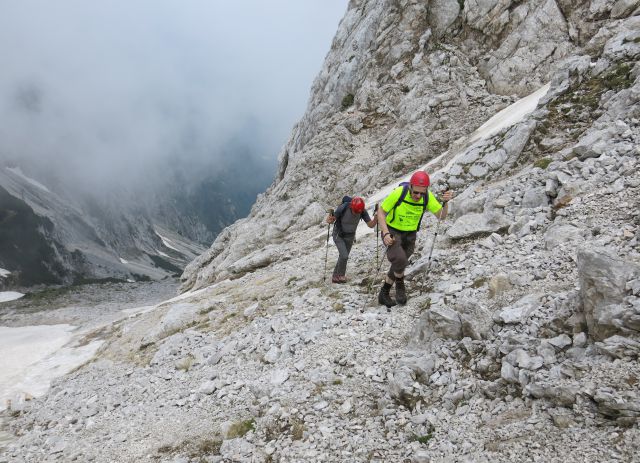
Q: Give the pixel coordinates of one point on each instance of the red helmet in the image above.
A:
(357, 205)
(420, 178)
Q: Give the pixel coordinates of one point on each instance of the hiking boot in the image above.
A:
(338, 279)
(384, 297)
(401, 292)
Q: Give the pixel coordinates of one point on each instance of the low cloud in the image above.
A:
(104, 93)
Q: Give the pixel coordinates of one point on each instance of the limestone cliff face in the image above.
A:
(404, 82)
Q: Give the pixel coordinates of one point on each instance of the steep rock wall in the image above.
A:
(404, 81)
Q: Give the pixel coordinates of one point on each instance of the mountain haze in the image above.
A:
(64, 233)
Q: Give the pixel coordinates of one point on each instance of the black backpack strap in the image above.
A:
(338, 213)
(405, 190)
(401, 199)
(425, 198)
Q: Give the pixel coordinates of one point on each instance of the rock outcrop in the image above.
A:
(605, 283)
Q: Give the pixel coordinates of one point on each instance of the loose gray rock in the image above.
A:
(558, 395)
(475, 225)
(278, 377)
(559, 233)
(272, 355)
(520, 311)
(208, 388)
(535, 197)
(444, 322)
(560, 341)
(603, 283)
(620, 347)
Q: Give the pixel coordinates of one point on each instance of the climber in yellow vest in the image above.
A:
(399, 218)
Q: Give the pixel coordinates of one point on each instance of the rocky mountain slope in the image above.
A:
(520, 344)
(56, 238)
(53, 233)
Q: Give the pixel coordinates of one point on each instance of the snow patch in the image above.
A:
(4, 273)
(17, 171)
(6, 296)
(31, 356)
(124, 261)
(510, 115)
(160, 253)
(167, 242)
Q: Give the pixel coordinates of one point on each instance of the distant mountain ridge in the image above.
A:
(51, 236)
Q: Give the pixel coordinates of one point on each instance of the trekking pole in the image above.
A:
(379, 267)
(435, 235)
(376, 275)
(370, 286)
(326, 251)
(375, 211)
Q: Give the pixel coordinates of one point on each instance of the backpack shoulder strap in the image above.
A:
(401, 199)
(340, 210)
(403, 194)
(425, 201)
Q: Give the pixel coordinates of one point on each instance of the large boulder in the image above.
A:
(476, 225)
(604, 287)
(561, 396)
(562, 232)
(442, 13)
(445, 323)
(621, 406)
(519, 311)
(438, 322)
(623, 8)
(535, 197)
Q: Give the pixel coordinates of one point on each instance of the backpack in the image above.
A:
(401, 199)
(338, 223)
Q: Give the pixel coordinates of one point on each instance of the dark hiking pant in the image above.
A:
(400, 251)
(343, 243)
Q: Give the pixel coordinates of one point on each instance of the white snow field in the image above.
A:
(6, 296)
(31, 356)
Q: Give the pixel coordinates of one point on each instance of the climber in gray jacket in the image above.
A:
(345, 219)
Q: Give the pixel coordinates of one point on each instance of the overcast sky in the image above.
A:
(106, 88)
